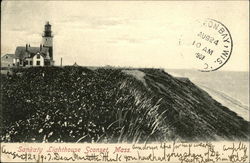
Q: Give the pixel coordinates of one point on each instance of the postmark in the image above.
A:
(209, 45)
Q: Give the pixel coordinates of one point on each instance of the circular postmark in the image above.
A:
(209, 44)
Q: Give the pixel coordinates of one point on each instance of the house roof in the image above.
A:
(10, 55)
(21, 51)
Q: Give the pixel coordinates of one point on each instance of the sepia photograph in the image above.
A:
(113, 72)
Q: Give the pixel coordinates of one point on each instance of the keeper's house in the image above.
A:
(7, 60)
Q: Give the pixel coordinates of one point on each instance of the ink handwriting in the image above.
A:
(205, 152)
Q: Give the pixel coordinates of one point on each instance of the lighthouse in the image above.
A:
(48, 39)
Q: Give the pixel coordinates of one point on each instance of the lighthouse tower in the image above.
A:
(48, 39)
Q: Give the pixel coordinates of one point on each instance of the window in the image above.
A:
(38, 63)
(38, 56)
(31, 62)
(46, 63)
(26, 63)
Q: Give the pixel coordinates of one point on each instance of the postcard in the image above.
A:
(125, 81)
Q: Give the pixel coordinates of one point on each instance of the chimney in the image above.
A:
(40, 47)
(61, 61)
(29, 45)
(26, 47)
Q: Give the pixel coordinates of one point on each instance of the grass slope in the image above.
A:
(78, 104)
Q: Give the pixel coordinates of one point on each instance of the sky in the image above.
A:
(122, 33)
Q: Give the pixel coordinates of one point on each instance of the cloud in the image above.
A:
(18, 29)
(25, 31)
(107, 21)
(70, 19)
(134, 39)
(91, 22)
(131, 40)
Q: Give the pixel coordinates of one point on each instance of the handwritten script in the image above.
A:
(198, 152)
